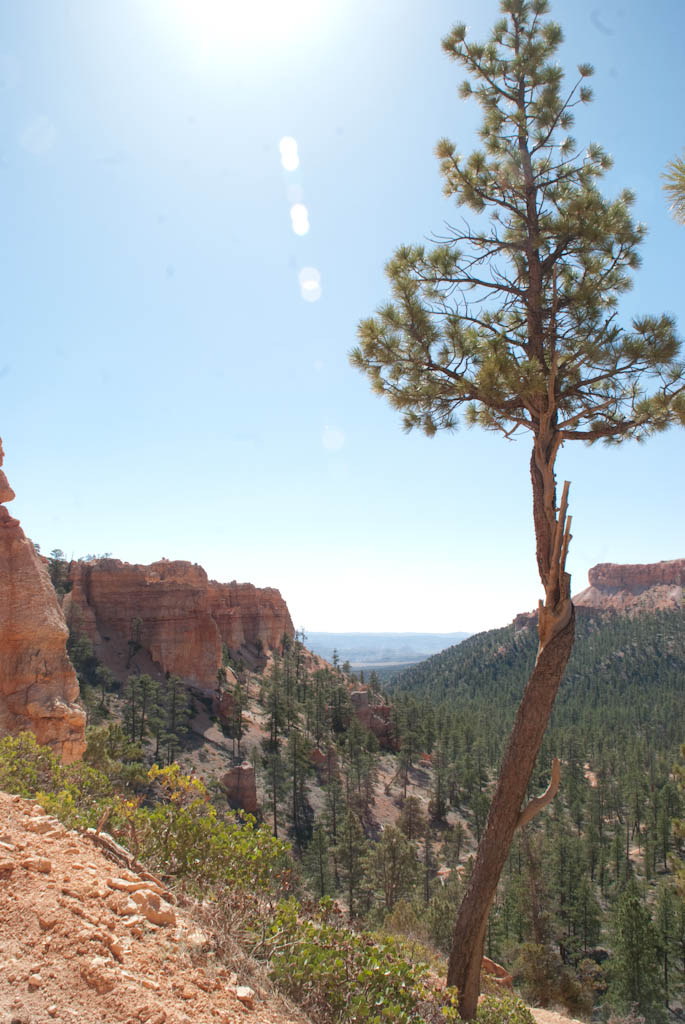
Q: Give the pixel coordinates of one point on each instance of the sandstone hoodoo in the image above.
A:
(38, 686)
(240, 784)
(172, 613)
(375, 716)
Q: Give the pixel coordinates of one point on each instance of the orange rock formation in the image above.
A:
(38, 686)
(174, 613)
(373, 714)
(626, 589)
(240, 784)
(634, 588)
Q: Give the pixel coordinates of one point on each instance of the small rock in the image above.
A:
(117, 950)
(6, 868)
(246, 996)
(96, 974)
(126, 885)
(37, 864)
(155, 909)
(52, 1010)
(40, 825)
(35, 981)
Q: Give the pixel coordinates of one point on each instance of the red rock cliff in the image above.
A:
(172, 610)
(634, 588)
(38, 686)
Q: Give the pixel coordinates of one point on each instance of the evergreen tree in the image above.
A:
(515, 322)
(148, 690)
(635, 969)
(131, 695)
(412, 820)
(177, 708)
(350, 850)
(83, 658)
(106, 682)
(274, 701)
(237, 724)
(586, 914)
(316, 862)
(58, 568)
(299, 768)
(674, 187)
(275, 779)
(391, 868)
(333, 815)
(666, 921)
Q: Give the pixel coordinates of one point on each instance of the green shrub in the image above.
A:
(181, 834)
(350, 977)
(503, 1010)
(26, 767)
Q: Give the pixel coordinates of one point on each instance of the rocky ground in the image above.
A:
(85, 941)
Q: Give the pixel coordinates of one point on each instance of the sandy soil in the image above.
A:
(85, 941)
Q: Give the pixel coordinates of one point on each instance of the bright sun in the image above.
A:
(211, 29)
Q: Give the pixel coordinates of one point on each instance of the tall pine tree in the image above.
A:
(512, 320)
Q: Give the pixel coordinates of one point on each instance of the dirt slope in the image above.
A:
(84, 941)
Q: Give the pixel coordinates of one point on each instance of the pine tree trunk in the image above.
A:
(517, 767)
(556, 628)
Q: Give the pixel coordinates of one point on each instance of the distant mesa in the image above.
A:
(169, 617)
(634, 588)
(627, 590)
(38, 686)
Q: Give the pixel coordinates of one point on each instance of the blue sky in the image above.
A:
(167, 391)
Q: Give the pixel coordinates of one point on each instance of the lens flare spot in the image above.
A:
(332, 439)
(289, 155)
(299, 218)
(310, 284)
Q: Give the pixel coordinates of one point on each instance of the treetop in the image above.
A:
(511, 318)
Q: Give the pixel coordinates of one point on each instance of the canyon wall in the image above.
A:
(626, 589)
(171, 613)
(38, 686)
(634, 588)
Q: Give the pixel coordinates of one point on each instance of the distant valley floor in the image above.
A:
(381, 650)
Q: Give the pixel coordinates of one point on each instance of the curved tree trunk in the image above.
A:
(556, 628)
(517, 767)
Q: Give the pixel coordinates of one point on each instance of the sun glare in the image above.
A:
(214, 28)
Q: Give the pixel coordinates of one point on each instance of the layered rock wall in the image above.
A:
(634, 588)
(174, 613)
(38, 686)
(637, 577)
(626, 589)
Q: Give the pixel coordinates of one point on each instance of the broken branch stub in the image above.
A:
(538, 802)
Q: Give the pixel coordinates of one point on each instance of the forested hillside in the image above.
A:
(625, 679)
(384, 799)
(595, 872)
